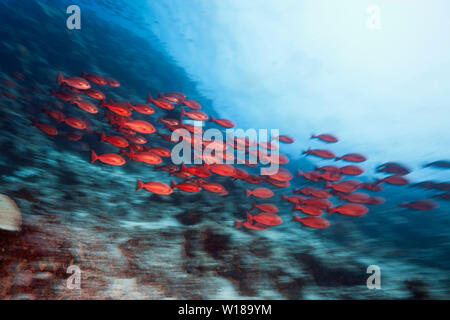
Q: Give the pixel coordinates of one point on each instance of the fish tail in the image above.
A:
(102, 103)
(248, 193)
(299, 173)
(337, 158)
(284, 197)
(183, 167)
(34, 122)
(313, 136)
(211, 119)
(249, 217)
(238, 223)
(83, 74)
(94, 157)
(59, 78)
(331, 210)
(102, 137)
(327, 185)
(149, 98)
(296, 217)
(253, 206)
(139, 185)
(173, 184)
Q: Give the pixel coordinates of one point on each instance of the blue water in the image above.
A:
(249, 64)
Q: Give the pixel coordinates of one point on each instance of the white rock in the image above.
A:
(10, 216)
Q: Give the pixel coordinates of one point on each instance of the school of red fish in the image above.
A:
(134, 127)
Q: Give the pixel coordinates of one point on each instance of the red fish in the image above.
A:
(117, 141)
(293, 199)
(112, 82)
(186, 186)
(222, 122)
(356, 197)
(75, 82)
(352, 157)
(169, 121)
(330, 176)
(372, 186)
(350, 209)
(325, 137)
(281, 175)
(140, 126)
(266, 218)
(252, 226)
(214, 187)
(175, 97)
(311, 191)
(351, 170)
(318, 203)
(393, 167)
(285, 139)
(345, 186)
(75, 123)
(263, 193)
(155, 187)
(198, 170)
(65, 96)
(420, 205)
(395, 180)
(312, 211)
(161, 103)
(160, 151)
(108, 158)
(376, 200)
(55, 114)
(312, 175)
(276, 183)
(240, 174)
(320, 153)
(95, 94)
(266, 207)
(223, 169)
(193, 114)
(46, 128)
(73, 136)
(122, 109)
(143, 108)
(146, 157)
(94, 78)
(312, 222)
(137, 139)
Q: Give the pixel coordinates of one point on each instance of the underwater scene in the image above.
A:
(194, 149)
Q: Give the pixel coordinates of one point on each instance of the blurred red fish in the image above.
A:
(161, 103)
(222, 122)
(350, 209)
(325, 137)
(266, 218)
(75, 82)
(108, 158)
(320, 153)
(259, 192)
(155, 187)
(186, 186)
(352, 157)
(117, 141)
(46, 128)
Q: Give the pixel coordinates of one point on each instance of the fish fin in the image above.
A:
(183, 167)
(94, 157)
(248, 193)
(238, 223)
(139, 185)
(59, 78)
